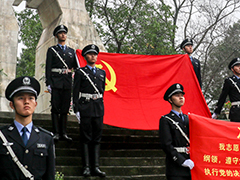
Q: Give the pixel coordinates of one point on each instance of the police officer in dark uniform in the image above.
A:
(88, 90)
(60, 62)
(33, 146)
(173, 142)
(231, 88)
(187, 47)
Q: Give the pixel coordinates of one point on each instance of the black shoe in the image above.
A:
(65, 137)
(86, 171)
(56, 137)
(97, 172)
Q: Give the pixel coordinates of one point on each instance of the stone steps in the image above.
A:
(114, 161)
(122, 177)
(125, 154)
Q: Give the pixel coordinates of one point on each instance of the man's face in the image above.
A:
(236, 69)
(24, 103)
(91, 58)
(188, 49)
(61, 36)
(177, 99)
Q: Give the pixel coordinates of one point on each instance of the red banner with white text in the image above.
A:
(135, 86)
(214, 148)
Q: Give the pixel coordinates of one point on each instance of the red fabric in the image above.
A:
(214, 148)
(136, 101)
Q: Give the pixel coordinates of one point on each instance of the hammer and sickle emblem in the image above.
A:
(110, 83)
(239, 133)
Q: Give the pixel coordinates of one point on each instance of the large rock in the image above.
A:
(8, 49)
(71, 13)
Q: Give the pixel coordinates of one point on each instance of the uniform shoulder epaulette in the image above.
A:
(46, 131)
(77, 69)
(101, 69)
(232, 77)
(54, 46)
(4, 127)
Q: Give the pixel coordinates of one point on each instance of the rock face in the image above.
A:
(8, 49)
(71, 13)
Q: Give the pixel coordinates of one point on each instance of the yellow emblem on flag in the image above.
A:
(239, 133)
(110, 84)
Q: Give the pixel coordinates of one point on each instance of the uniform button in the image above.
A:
(95, 78)
(7, 152)
(174, 158)
(41, 154)
(26, 166)
(27, 151)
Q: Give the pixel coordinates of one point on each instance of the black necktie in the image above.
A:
(181, 116)
(62, 47)
(24, 135)
(93, 70)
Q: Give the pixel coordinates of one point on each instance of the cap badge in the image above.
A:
(178, 86)
(26, 81)
(93, 46)
(62, 27)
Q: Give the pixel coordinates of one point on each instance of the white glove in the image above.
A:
(188, 163)
(214, 116)
(49, 89)
(78, 117)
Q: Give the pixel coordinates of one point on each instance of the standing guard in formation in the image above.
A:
(174, 136)
(60, 63)
(231, 88)
(26, 151)
(88, 90)
(187, 47)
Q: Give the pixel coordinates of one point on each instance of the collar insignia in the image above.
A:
(37, 130)
(10, 128)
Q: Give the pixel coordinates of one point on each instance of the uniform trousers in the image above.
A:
(91, 129)
(60, 100)
(234, 115)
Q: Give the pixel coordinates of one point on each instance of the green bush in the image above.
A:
(59, 176)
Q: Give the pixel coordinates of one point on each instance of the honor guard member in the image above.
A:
(60, 62)
(187, 47)
(88, 90)
(231, 88)
(26, 151)
(174, 134)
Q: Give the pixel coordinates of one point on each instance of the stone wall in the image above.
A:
(8, 49)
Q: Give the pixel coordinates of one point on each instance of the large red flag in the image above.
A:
(214, 148)
(135, 86)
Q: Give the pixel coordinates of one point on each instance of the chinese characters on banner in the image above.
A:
(135, 86)
(214, 148)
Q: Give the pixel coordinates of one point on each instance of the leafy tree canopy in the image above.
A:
(29, 34)
(133, 26)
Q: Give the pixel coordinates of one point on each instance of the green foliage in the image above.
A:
(59, 176)
(216, 69)
(30, 32)
(133, 26)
